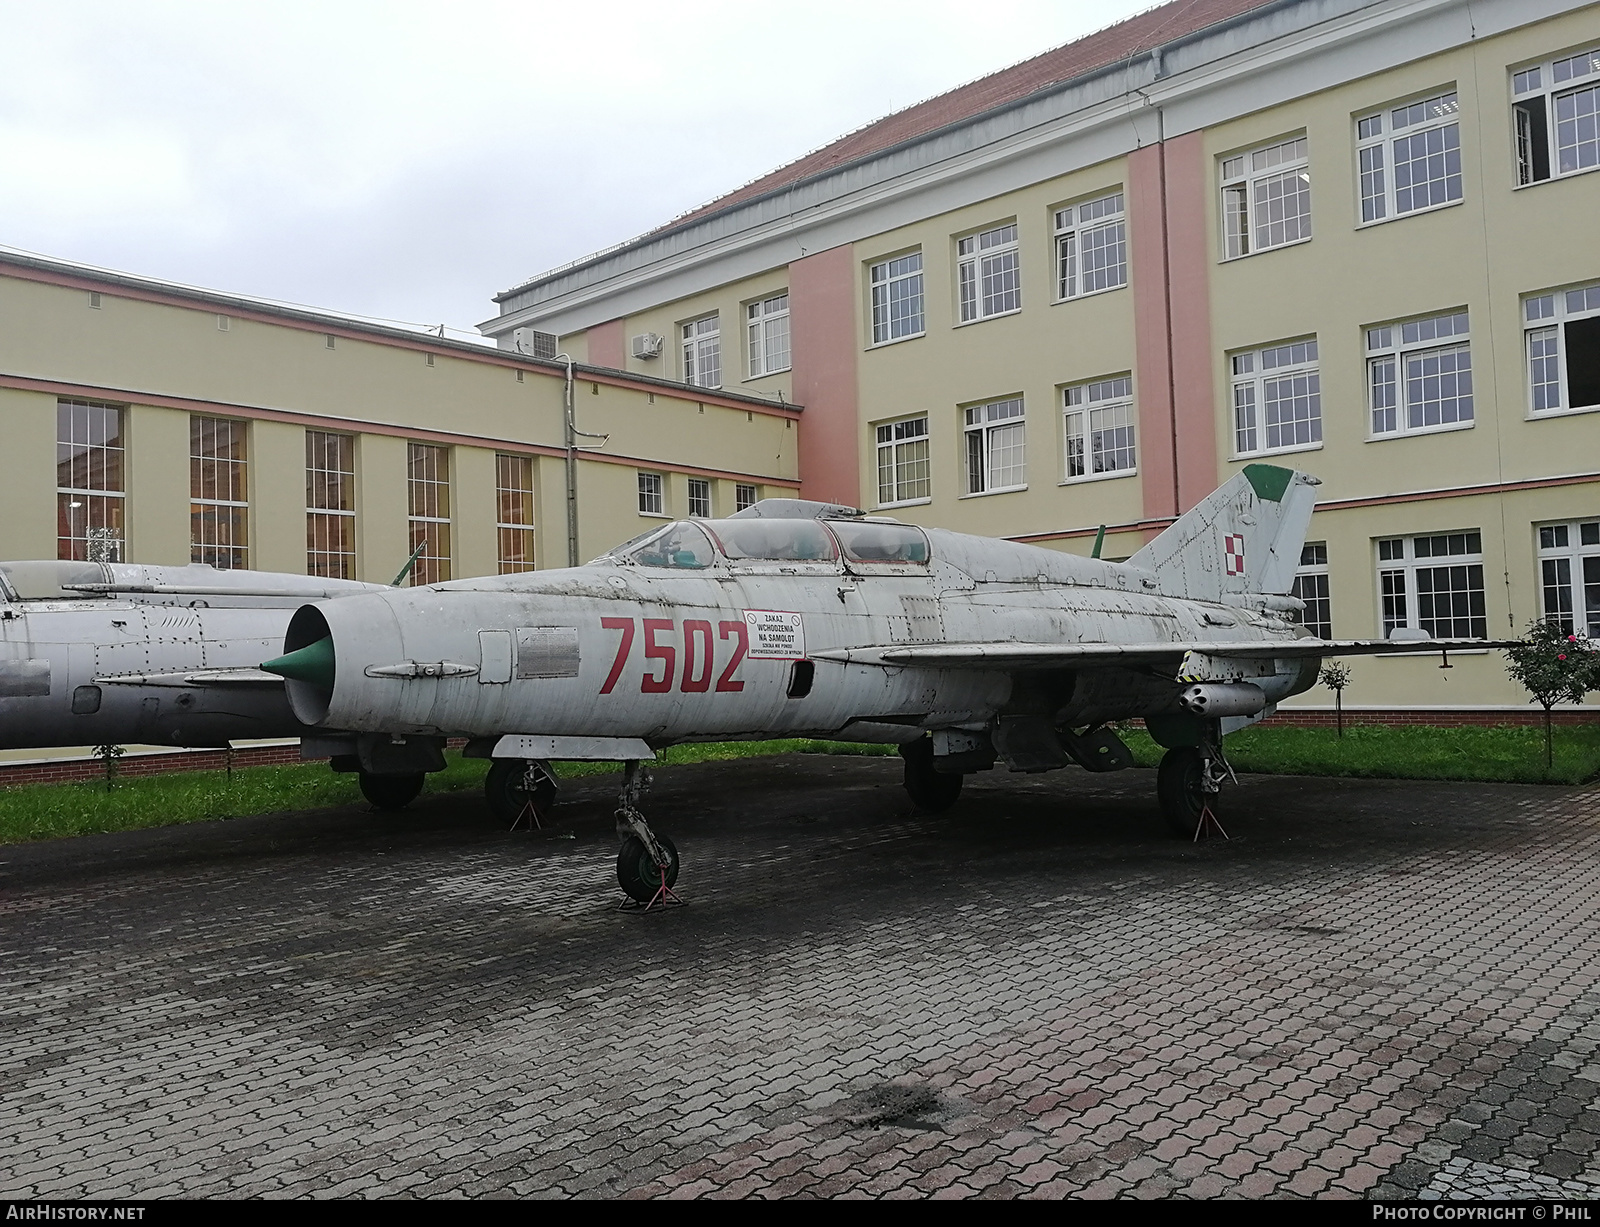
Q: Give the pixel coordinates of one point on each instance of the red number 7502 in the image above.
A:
(662, 640)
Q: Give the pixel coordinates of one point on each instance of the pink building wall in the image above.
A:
(607, 345)
(823, 334)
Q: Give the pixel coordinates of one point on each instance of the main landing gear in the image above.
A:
(1189, 784)
(647, 865)
(931, 791)
(519, 789)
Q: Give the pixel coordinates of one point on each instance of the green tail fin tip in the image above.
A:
(1268, 480)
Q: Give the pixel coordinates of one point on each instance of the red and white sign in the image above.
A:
(1233, 553)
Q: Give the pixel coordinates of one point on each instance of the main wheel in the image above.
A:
(931, 791)
(508, 794)
(391, 791)
(637, 872)
(1178, 789)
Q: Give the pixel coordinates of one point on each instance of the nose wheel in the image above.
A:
(647, 865)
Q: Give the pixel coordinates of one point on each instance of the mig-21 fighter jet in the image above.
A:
(98, 653)
(802, 619)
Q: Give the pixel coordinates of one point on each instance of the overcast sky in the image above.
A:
(408, 161)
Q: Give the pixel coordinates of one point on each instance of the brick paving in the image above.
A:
(1375, 989)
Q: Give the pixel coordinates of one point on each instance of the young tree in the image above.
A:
(1553, 666)
(1336, 677)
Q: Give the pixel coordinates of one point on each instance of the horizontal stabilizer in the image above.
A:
(1023, 656)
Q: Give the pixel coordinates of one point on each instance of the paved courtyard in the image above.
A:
(1375, 989)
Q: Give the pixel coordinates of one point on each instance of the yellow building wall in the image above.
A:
(128, 350)
(28, 491)
(1035, 353)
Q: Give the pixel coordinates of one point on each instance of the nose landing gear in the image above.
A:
(647, 865)
(1189, 784)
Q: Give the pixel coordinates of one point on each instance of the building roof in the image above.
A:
(1124, 41)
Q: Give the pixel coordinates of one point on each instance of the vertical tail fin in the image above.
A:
(1245, 536)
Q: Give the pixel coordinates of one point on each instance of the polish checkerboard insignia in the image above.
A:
(1233, 553)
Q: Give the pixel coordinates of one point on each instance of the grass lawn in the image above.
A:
(50, 811)
(1511, 754)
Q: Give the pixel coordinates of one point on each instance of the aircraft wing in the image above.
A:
(1026, 656)
(194, 677)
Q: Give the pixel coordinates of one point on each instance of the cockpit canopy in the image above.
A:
(696, 544)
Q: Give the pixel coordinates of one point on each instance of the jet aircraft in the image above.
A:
(112, 653)
(807, 619)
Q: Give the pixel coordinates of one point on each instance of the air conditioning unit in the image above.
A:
(534, 343)
(647, 345)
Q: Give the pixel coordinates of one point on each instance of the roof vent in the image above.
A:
(647, 345)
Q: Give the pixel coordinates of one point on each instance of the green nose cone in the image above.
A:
(312, 664)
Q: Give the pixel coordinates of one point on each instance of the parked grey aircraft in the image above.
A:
(802, 619)
(114, 653)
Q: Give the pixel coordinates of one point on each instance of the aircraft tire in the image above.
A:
(931, 791)
(508, 796)
(391, 792)
(637, 872)
(1178, 790)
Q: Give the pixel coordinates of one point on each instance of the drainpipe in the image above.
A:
(572, 434)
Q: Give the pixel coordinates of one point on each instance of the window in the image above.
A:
(428, 498)
(91, 499)
(652, 494)
(1099, 429)
(1414, 383)
(1563, 339)
(988, 273)
(1091, 247)
(903, 462)
(897, 299)
(1266, 198)
(769, 335)
(1569, 568)
(702, 353)
(1410, 158)
(218, 503)
(1277, 399)
(1311, 586)
(995, 447)
(1433, 584)
(1555, 114)
(700, 498)
(514, 512)
(745, 496)
(330, 505)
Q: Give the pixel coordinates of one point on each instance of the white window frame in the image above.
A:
(1255, 186)
(701, 345)
(653, 495)
(513, 466)
(1095, 233)
(1099, 428)
(897, 446)
(1313, 568)
(984, 423)
(745, 495)
(1569, 559)
(78, 498)
(1546, 341)
(767, 334)
(699, 498)
(327, 484)
(1255, 373)
(1398, 575)
(893, 283)
(1395, 346)
(1377, 132)
(215, 522)
(1537, 94)
(988, 274)
(432, 566)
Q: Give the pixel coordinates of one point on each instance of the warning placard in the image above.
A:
(775, 635)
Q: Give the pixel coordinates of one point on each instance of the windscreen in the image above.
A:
(881, 542)
(775, 540)
(683, 545)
